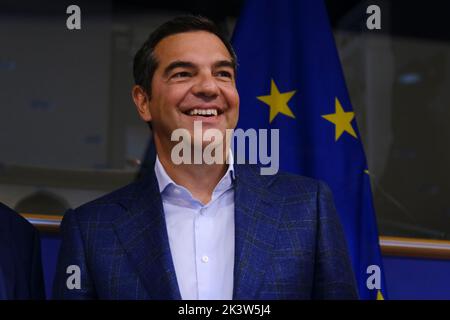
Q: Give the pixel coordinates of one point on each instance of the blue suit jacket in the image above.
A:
(289, 243)
(20, 258)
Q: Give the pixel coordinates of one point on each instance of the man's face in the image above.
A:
(194, 81)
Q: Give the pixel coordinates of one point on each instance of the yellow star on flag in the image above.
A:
(380, 295)
(342, 120)
(277, 101)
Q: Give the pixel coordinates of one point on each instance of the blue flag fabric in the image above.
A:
(290, 78)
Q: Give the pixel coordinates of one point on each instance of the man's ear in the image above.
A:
(142, 102)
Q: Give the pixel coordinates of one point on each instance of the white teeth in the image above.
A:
(203, 112)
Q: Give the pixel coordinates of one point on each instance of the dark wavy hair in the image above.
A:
(145, 63)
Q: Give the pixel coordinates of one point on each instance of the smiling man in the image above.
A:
(201, 231)
(193, 80)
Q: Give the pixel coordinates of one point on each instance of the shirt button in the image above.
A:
(205, 259)
(176, 191)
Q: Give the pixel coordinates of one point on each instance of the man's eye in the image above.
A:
(182, 74)
(225, 74)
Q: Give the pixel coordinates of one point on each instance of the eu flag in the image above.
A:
(290, 78)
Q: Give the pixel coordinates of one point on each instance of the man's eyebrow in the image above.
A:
(178, 64)
(224, 63)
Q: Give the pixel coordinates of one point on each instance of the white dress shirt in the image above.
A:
(201, 237)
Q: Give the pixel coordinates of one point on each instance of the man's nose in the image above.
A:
(206, 86)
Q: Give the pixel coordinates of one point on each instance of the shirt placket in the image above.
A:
(203, 254)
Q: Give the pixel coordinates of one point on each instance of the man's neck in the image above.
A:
(199, 179)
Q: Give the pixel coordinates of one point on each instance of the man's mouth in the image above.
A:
(210, 112)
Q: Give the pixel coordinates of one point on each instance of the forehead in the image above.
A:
(195, 46)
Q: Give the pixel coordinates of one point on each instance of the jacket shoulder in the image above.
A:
(108, 206)
(283, 183)
(17, 224)
(295, 183)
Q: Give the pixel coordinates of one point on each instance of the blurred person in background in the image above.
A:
(21, 275)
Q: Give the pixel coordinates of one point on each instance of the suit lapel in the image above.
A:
(257, 215)
(143, 234)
